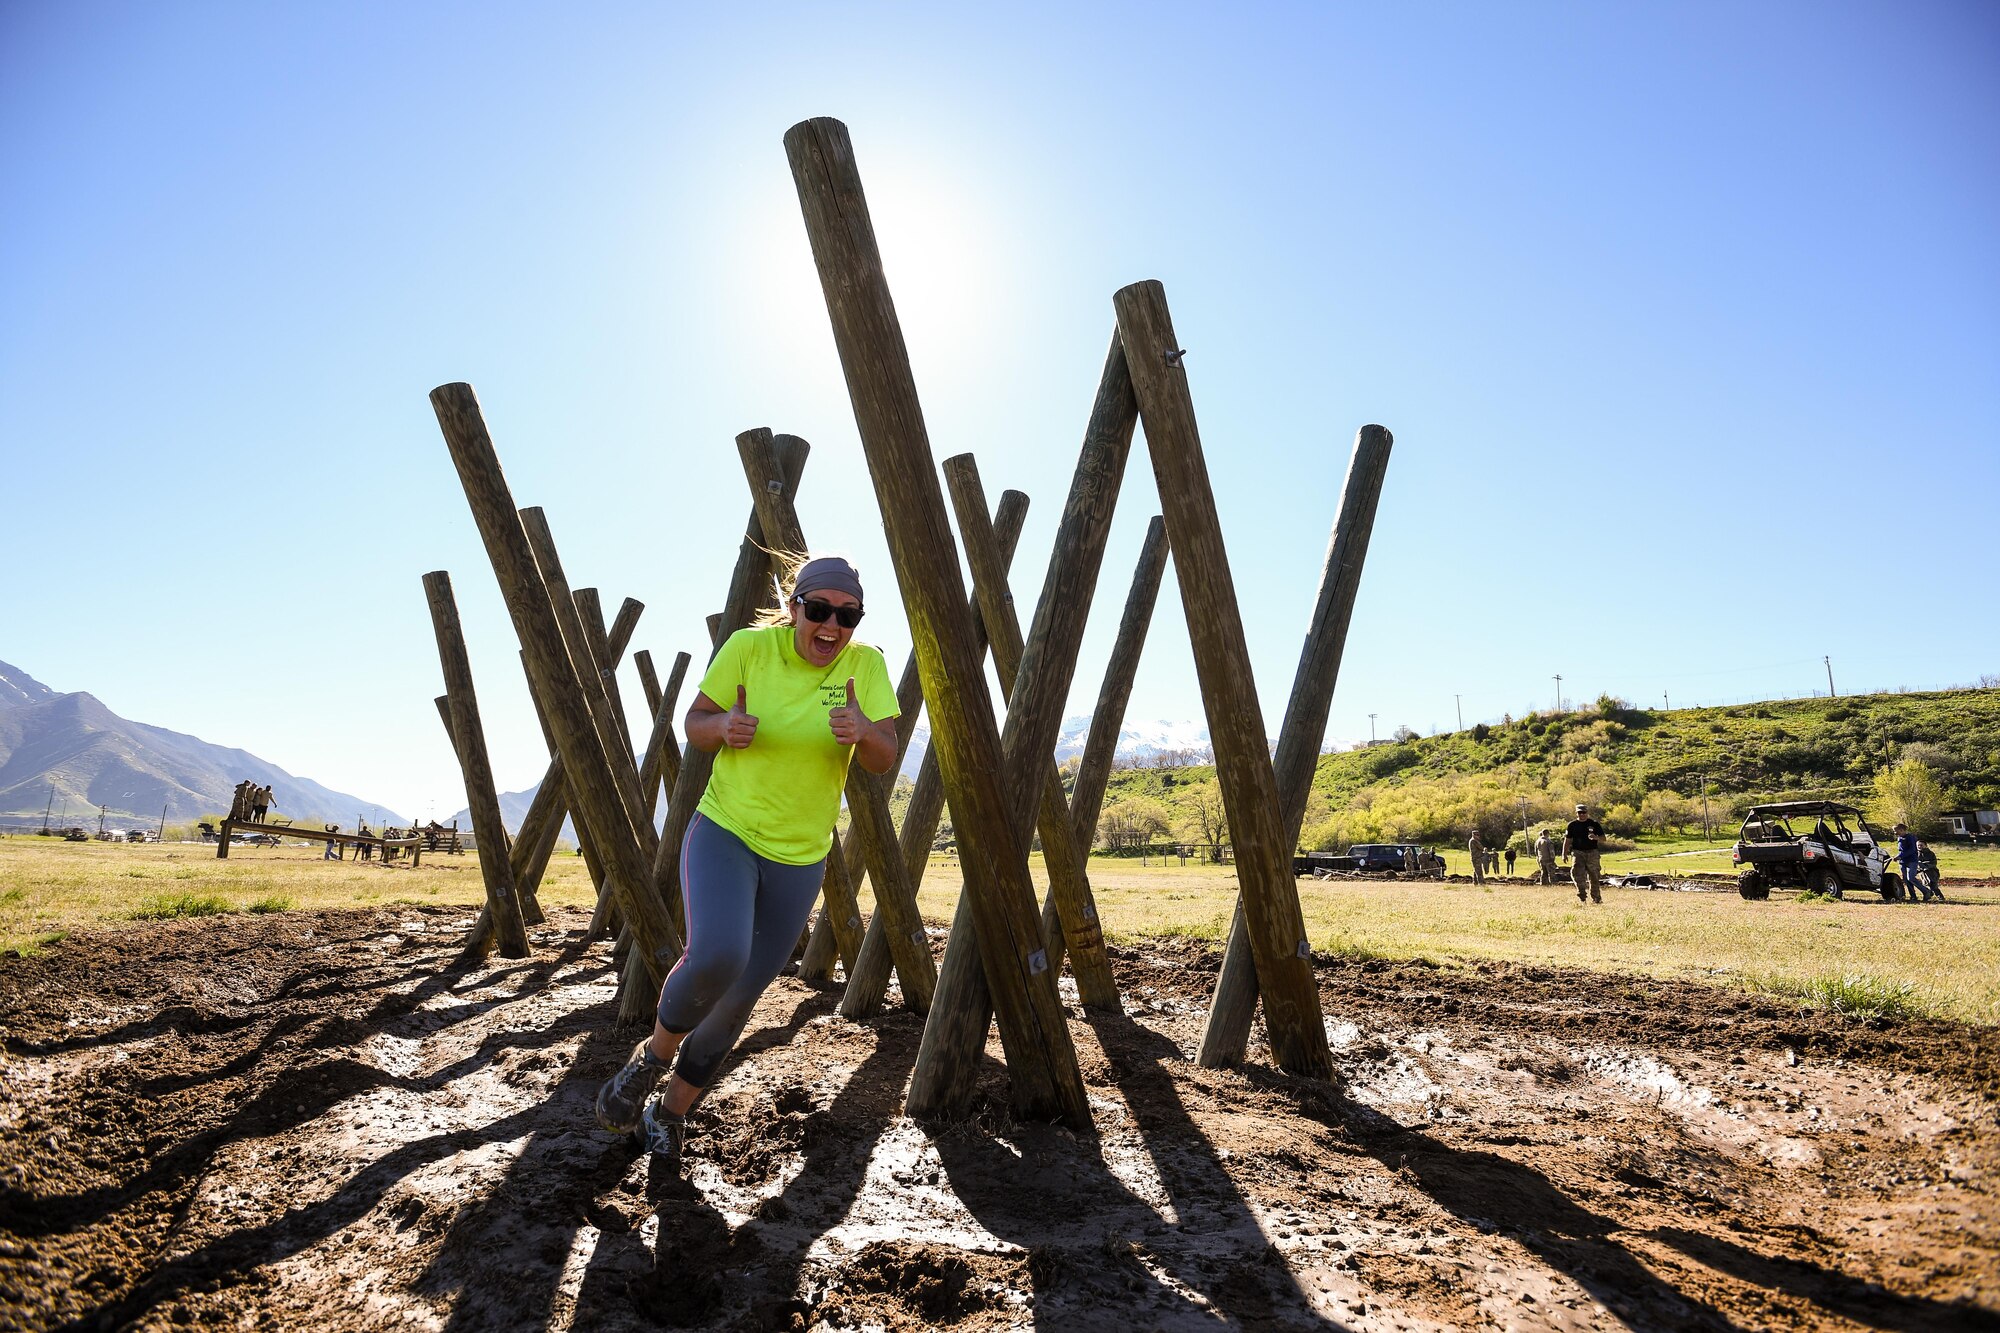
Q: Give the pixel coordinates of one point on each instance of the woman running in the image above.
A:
(784, 706)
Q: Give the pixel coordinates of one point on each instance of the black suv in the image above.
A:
(1819, 845)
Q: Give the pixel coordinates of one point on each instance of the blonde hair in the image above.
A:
(788, 563)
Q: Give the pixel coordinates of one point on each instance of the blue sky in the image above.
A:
(1686, 320)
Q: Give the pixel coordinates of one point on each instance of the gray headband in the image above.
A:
(829, 573)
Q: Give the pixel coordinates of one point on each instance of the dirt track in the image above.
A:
(306, 1121)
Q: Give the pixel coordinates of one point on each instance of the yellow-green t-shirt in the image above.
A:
(781, 795)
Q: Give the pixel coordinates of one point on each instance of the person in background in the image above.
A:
(1906, 857)
(1510, 858)
(1545, 856)
(1583, 843)
(1927, 862)
(1477, 850)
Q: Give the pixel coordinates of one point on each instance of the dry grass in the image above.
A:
(49, 886)
(1858, 956)
(1943, 960)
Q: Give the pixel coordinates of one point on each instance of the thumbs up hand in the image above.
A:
(847, 720)
(739, 726)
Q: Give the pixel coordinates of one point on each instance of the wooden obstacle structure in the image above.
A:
(1004, 949)
(414, 845)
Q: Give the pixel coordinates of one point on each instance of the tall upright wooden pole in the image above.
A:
(1041, 1058)
(1229, 693)
(867, 803)
(1107, 719)
(599, 804)
(1226, 1035)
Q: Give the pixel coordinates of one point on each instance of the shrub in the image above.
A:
(168, 906)
(1860, 996)
(276, 902)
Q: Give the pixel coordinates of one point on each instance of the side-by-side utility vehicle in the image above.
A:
(1823, 846)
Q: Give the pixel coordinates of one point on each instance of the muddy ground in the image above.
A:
(313, 1121)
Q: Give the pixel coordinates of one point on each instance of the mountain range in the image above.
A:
(71, 751)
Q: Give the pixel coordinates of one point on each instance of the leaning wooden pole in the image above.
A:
(868, 977)
(1226, 1036)
(590, 610)
(469, 738)
(600, 807)
(1041, 1058)
(480, 941)
(957, 1034)
(1069, 879)
(867, 802)
(1107, 719)
(1229, 692)
(591, 673)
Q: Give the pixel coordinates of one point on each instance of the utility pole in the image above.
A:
(1828, 659)
(1706, 835)
(100, 817)
(161, 836)
(1666, 704)
(48, 807)
(1461, 711)
(1371, 728)
(1559, 692)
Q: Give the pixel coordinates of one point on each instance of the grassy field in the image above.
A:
(1943, 960)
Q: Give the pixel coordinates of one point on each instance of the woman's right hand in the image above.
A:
(739, 724)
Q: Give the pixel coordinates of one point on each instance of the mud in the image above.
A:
(315, 1121)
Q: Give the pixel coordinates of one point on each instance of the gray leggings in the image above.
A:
(744, 916)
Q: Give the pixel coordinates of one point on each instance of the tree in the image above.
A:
(1203, 818)
(1909, 794)
(1132, 822)
(1663, 810)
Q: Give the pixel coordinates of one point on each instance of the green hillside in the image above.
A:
(1643, 768)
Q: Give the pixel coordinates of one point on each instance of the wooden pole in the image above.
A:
(542, 825)
(600, 807)
(590, 672)
(1041, 1058)
(535, 841)
(1229, 693)
(480, 941)
(469, 738)
(1226, 1036)
(1069, 881)
(663, 747)
(590, 610)
(867, 804)
(1100, 746)
(954, 1039)
(868, 978)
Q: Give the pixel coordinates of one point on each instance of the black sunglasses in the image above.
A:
(818, 611)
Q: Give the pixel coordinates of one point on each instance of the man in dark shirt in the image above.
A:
(1581, 842)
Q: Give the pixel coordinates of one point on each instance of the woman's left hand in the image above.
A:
(847, 720)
